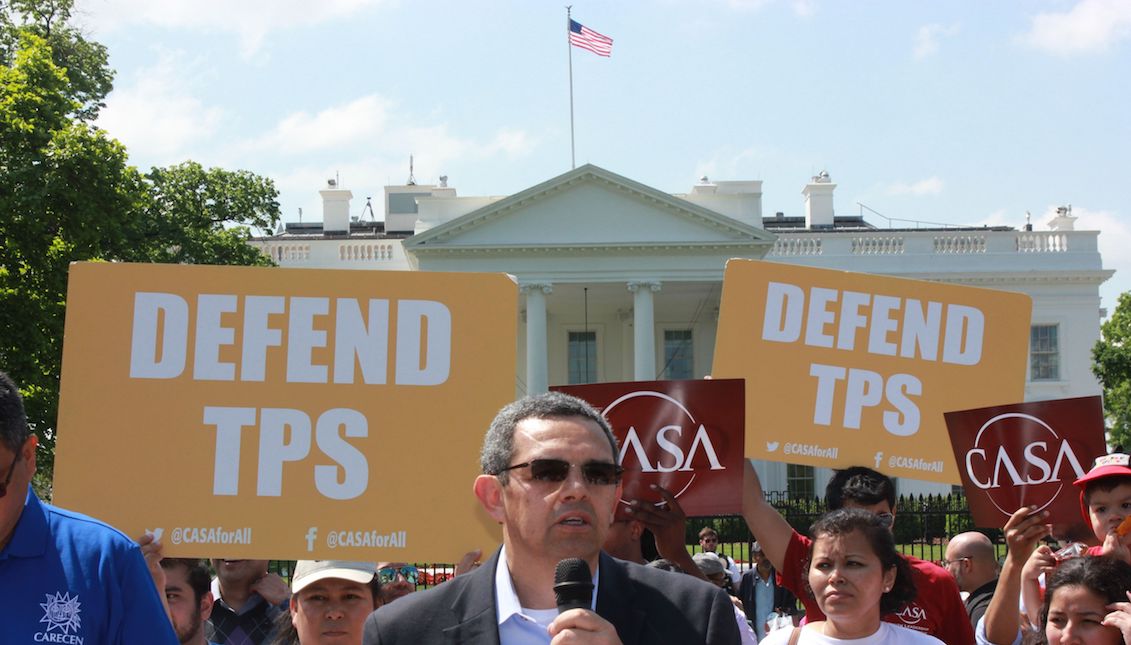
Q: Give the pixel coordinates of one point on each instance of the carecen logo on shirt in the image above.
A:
(61, 613)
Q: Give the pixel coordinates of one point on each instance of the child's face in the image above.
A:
(1107, 509)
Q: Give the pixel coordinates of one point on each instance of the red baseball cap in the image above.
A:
(1116, 464)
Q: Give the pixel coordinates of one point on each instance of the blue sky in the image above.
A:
(957, 112)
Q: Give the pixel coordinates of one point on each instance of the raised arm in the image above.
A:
(1022, 531)
(768, 526)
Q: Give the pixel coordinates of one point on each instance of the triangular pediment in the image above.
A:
(589, 207)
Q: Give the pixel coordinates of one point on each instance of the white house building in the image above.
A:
(621, 281)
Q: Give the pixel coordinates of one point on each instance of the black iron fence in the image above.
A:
(923, 525)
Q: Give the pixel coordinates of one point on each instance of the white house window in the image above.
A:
(582, 357)
(679, 361)
(1044, 353)
(800, 481)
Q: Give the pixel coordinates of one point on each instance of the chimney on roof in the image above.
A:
(335, 208)
(819, 201)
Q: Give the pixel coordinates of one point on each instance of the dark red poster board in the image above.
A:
(1027, 454)
(686, 436)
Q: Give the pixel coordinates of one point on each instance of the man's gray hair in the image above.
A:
(13, 421)
(498, 445)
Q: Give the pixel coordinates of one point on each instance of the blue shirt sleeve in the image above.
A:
(144, 619)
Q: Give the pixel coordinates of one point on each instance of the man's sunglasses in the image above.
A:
(389, 574)
(11, 471)
(596, 473)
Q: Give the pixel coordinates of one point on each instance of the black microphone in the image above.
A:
(573, 585)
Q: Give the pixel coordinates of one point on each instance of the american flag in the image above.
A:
(585, 38)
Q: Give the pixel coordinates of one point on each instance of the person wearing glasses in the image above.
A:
(937, 609)
(709, 541)
(551, 479)
(972, 560)
(398, 579)
(65, 577)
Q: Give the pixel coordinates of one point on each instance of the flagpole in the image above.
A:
(569, 49)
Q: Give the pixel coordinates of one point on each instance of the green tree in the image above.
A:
(1111, 363)
(84, 62)
(190, 211)
(68, 193)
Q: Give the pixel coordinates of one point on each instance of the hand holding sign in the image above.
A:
(667, 521)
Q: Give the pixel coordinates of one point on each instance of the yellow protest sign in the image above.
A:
(849, 369)
(284, 413)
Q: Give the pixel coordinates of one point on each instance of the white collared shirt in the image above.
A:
(518, 625)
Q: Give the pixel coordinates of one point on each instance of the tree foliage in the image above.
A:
(68, 194)
(85, 63)
(1111, 363)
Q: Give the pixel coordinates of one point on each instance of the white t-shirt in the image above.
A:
(887, 634)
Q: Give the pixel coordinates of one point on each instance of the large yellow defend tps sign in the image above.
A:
(849, 369)
(284, 413)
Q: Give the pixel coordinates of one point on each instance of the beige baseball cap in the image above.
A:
(310, 571)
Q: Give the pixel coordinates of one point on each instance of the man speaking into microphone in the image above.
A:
(551, 479)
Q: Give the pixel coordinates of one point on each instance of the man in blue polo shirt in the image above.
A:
(65, 577)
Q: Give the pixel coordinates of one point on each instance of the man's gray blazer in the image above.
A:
(647, 606)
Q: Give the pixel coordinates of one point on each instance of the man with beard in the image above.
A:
(398, 579)
(248, 599)
(189, 598)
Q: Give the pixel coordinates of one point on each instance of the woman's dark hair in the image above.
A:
(1106, 577)
(284, 632)
(850, 520)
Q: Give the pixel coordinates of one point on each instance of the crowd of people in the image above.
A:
(550, 478)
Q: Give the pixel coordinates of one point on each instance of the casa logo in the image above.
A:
(61, 613)
(661, 438)
(912, 614)
(1015, 450)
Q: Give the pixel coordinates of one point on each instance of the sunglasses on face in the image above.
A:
(389, 574)
(596, 473)
(11, 471)
(886, 519)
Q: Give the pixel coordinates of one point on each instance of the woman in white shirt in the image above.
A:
(856, 576)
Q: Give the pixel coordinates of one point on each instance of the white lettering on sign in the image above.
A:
(671, 448)
(285, 437)
(904, 327)
(867, 389)
(1035, 454)
(297, 326)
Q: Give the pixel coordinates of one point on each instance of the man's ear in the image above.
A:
(489, 492)
(29, 450)
(206, 605)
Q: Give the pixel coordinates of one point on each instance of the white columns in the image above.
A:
(537, 375)
(644, 323)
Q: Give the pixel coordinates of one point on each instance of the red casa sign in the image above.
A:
(686, 436)
(1026, 455)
